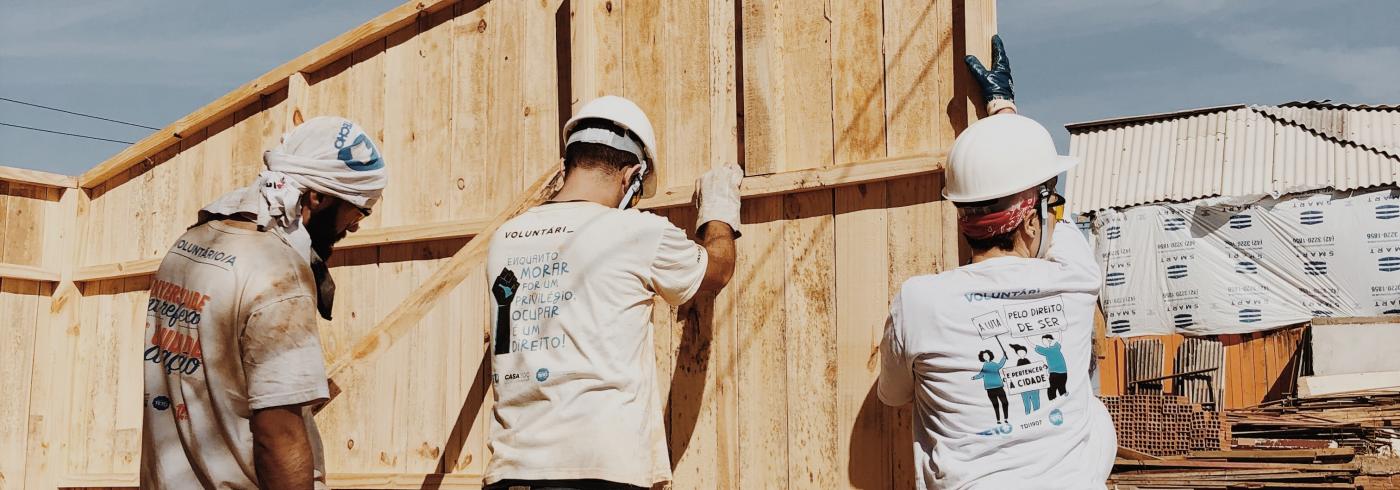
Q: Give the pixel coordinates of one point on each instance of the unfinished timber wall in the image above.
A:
(839, 111)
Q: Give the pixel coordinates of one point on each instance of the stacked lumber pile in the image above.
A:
(1297, 468)
(1366, 421)
(1333, 441)
(1165, 425)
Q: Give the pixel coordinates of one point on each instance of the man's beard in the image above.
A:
(321, 228)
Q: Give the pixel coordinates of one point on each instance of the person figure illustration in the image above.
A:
(1031, 398)
(1056, 360)
(991, 381)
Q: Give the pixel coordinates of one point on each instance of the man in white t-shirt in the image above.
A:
(949, 336)
(233, 356)
(573, 364)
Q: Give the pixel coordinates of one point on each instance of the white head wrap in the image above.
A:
(330, 155)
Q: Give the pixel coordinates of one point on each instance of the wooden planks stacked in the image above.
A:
(1304, 468)
(1165, 425)
(1365, 421)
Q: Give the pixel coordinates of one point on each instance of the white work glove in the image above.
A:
(717, 196)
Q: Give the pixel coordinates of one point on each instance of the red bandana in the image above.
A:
(980, 225)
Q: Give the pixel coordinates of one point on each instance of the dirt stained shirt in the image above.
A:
(230, 328)
(573, 360)
(983, 422)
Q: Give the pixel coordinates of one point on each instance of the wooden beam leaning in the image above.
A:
(35, 177)
(407, 314)
(753, 187)
(269, 82)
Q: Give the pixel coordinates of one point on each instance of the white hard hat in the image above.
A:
(623, 114)
(999, 156)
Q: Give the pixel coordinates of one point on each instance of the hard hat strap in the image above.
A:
(1042, 209)
(634, 188)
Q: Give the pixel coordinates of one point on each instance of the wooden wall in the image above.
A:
(769, 386)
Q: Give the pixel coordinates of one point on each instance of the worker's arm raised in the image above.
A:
(718, 223)
(998, 89)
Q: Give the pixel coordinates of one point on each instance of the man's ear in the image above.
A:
(629, 172)
(314, 201)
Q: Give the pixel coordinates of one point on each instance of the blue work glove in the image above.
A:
(996, 83)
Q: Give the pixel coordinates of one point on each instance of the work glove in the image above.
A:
(997, 88)
(718, 196)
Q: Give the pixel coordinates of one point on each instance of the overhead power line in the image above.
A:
(65, 134)
(78, 113)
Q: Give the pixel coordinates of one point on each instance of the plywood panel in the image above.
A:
(810, 306)
(762, 355)
(24, 214)
(857, 81)
(862, 303)
(787, 70)
(19, 317)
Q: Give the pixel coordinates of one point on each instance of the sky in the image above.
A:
(152, 61)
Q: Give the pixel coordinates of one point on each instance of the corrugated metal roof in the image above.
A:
(1232, 151)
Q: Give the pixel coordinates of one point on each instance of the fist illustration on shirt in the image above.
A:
(505, 287)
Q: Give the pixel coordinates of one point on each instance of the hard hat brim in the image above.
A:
(1060, 164)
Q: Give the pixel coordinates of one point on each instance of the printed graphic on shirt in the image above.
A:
(1028, 328)
(175, 342)
(528, 292)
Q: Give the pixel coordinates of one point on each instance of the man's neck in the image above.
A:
(1019, 248)
(592, 186)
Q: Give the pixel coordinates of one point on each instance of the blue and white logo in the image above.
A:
(1115, 279)
(1241, 221)
(161, 403)
(1388, 264)
(1174, 223)
(1113, 232)
(541, 375)
(1388, 211)
(1315, 268)
(1251, 315)
(1176, 271)
(1057, 417)
(1247, 267)
(1311, 217)
(1183, 320)
(360, 154)
(1119, 326)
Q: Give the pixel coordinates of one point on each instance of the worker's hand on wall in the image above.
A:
(718, 196)
(997, 86)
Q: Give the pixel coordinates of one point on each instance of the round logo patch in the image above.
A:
(161, 403)
(541, 375)
(1056, 417)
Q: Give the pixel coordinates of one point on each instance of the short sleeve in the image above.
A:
(1070, 249)
(679, 266)
(896, 383)
(281, 351)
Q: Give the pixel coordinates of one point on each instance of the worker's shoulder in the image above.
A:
(928, 283)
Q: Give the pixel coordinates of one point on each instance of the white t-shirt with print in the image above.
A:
(230, 328)
(573, 361)
(969, 348)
